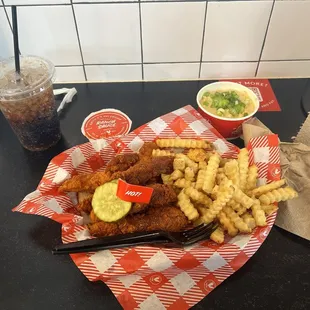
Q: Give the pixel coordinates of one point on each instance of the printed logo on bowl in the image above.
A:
(106, 123)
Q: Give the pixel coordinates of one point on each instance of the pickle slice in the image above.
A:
(107, 206)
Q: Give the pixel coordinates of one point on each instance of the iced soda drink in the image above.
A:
(27, 102)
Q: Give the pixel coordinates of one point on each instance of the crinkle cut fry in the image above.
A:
(224, 194)
(183, 143)
(236, 219)
(280, 194)
(197, 155)
(243, 162)
(252, 177)
(200, 178)
(187, 207)
(210, 174)
(227, 224)
(249, 220)
(258, 214)
(231, 170)
(269, 209)
(263, 189)
(159, 152)
(218, 235)
(182, 183)
(197, 196)
(176, 174)
(241, 197)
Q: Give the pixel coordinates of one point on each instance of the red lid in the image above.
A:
(106, 123)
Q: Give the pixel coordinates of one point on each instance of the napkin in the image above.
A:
(70, 93)
(293, 215)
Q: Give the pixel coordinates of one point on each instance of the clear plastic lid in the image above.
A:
(35, 73)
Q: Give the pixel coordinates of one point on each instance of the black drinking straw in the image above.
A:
(15, 39)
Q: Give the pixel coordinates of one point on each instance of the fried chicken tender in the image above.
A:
(138, 208)
(166, 218)
(162, 195)
(85, 182)
(103, 229)
(84, 199)
(122, 162)
(145, 170)
(146, 150)
(93, 217)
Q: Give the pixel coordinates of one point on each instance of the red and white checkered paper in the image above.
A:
(152, 277)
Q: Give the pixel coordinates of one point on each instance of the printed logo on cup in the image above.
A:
(106, 123)
(133, 193)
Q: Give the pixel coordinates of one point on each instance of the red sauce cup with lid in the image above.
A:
(229, 128)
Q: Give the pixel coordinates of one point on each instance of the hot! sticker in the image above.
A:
(106, 123)
(133, 193)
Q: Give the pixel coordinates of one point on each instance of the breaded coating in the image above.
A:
(84, 201)
(138, 208)
(122, 162)
(85, 182)
(146, 150)
(143, 171)
(162, 195)
(102, 229)
(93, 217)
(166, 218)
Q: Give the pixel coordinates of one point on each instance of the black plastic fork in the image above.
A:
(183, 238)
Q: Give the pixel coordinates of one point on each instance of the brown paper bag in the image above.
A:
(293, 215)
